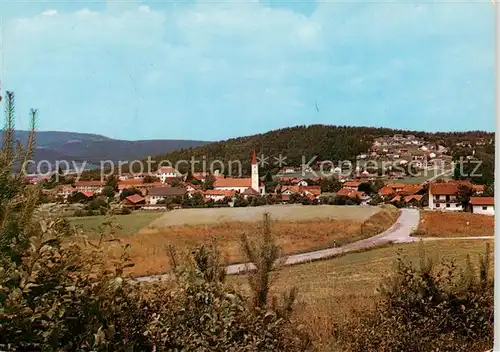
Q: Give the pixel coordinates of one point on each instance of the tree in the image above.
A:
(376, 199)
(112, 182)
(150, 179)
(208, 183)
(269, 182)
(330, 185)
(489, 191)
(108, 192)
(464, 194)
(175, 182)
(127, 192)
(377, 185)
(366, 187)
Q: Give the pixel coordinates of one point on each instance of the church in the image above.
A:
(251, 186)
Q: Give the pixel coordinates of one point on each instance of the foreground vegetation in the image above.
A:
(59, 292)
(338, 290)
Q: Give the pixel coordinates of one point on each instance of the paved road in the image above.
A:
(400, 232)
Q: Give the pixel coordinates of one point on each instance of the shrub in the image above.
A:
(427, 309)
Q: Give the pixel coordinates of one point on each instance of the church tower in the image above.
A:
(255, 173)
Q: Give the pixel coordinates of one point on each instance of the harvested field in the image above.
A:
(296, 212)
(149, 246)
(454, 224)
(331, 291)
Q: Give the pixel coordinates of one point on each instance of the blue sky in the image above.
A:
(215, 70)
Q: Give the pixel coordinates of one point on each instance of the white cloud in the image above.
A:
(257, 60)
(49, 13)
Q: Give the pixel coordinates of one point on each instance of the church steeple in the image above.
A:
(255, 173)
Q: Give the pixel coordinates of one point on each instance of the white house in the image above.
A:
(444, 196)
(165, 173)
(483, 205)
(162, 193)
(218, 194)
(65, 191)
(90, 186)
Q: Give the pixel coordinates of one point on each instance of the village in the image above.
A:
(401, 170)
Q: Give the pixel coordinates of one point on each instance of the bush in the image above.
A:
(427, 309)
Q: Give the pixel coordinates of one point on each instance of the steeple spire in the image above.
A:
(254, 158)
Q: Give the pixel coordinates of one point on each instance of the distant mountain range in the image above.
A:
(93, 148)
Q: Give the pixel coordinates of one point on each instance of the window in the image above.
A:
(447, 198)
(484, 208)
(447, 205)
(437, 205)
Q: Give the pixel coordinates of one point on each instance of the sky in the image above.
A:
(211, 70)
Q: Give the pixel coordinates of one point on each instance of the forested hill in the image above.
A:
(327, 142)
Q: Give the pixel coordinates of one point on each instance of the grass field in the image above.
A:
(297, 212)
(332, 290)
(454, 224)
(149, 246)
(129, 224)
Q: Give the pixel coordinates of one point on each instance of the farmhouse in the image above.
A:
(219, 194)
(90, 186)
(65, 191)
(352, 185)
(483, 205)
(443, 196)
(134, 200)
(166, 173)
(160, 194)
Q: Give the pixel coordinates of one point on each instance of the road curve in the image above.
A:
(400, 232)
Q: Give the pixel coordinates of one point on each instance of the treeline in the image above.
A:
(301, 143)
(298, 144)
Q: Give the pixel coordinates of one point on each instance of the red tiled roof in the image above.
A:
(417, 197)
(90, 183)
(294, 189)
(358, 194)
(482, 201)
(88, 194)
(135, 198)
(397, 185)
(233, 182)
(386, 191)
(344, 192)
(352, 183)
(445, 189)
(166, 169)
(131, 181)
(220, 192)
(478, 188)
(250, 192)
(410, 190)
